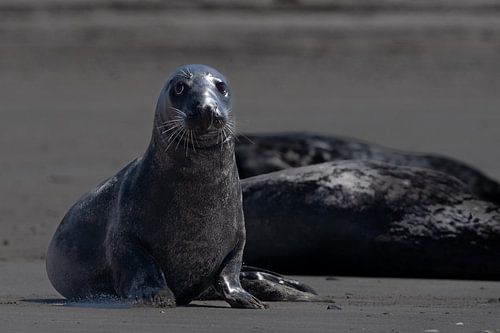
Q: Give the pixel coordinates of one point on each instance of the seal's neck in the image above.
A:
(211, 163)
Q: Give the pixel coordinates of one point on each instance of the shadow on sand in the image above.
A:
(108, 303)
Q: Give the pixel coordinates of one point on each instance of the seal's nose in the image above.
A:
(209, 108)
(205, 116)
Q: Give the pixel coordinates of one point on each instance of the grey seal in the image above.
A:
(369, 218)
(170, 224)
(272, 152)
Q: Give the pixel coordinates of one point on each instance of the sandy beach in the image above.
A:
(29, 304)
(78, 85)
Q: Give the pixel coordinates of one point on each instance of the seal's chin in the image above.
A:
(212, 136)
(182, 137)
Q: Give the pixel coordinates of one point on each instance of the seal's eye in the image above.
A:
(179, 88)
(222, 87)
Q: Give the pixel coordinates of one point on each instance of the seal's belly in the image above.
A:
(192, 260)
(191, 273)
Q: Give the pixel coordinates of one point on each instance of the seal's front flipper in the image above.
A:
(137, 276)
(228, 282)
(270, 286)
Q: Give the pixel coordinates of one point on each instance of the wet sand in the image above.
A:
(29, 304)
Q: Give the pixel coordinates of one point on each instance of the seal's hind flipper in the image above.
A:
(256, 273)
(270, 286)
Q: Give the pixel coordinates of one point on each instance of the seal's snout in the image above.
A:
(208, 108)
(205, 116)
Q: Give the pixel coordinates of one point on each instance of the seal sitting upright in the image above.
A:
(170, 224)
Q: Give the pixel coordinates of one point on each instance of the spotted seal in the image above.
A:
(262, 153)
(369, 218)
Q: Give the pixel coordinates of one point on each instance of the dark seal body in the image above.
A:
(370, 218)
(149, 207)
(268, 153)
(170, 224)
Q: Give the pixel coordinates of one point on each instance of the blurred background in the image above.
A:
(79, 81)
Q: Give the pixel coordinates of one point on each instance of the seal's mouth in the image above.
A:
(205, 119)
(199, 130)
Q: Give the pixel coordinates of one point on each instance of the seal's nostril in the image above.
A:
(210, 108)
(219, 120)
(205, 115)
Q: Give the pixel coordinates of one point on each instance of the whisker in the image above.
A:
(195, 139)
(221, 141)
(246, 137)
(231, 125)
(180, 115)
(171, 128)
(173, 137)
(232, 131)
(175, 132)
(169, 125)
(184, 74)
(173, 121)
(192, 139)
(226, 138)
(178, 110)
(180, 139)
(238, 134)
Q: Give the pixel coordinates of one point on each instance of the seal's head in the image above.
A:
(195, 107)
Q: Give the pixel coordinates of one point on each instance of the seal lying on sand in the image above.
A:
(170, 224)
(268, 153)
(369, 218)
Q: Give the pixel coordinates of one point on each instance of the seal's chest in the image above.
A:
(192, 249)
(195, 233)
(191, 262)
